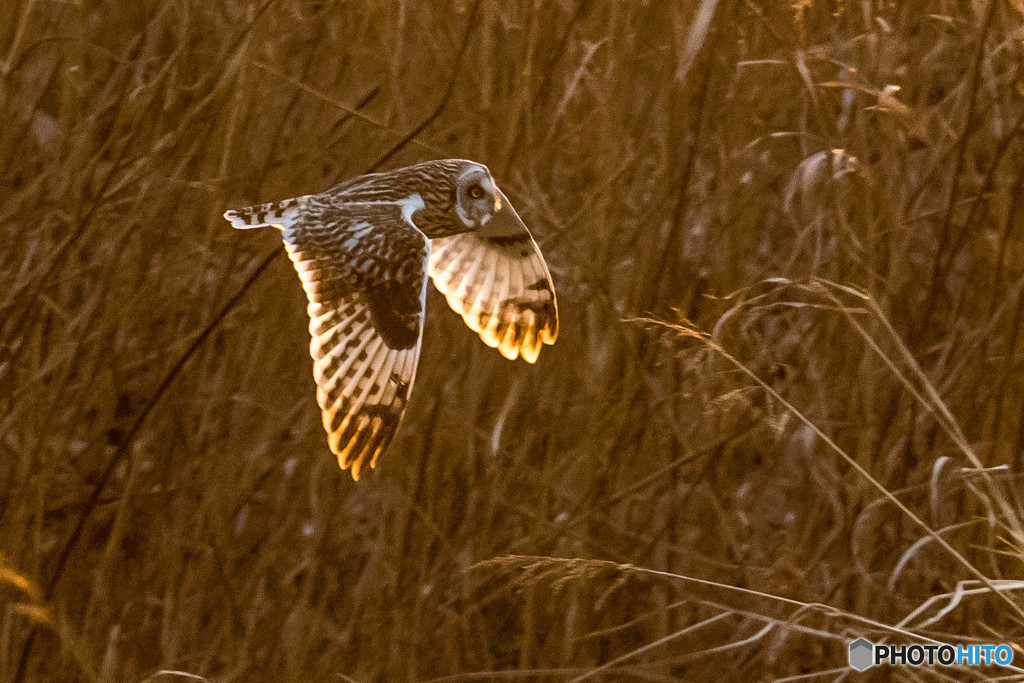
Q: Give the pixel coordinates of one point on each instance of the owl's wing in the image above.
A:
(364, 273)
(496, 279)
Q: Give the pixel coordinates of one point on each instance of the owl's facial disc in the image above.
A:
(477, 199)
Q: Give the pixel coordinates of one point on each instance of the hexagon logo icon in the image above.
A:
(861, 654)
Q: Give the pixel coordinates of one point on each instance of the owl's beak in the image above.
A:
(505, 226)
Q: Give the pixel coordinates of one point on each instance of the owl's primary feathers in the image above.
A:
(363, 251)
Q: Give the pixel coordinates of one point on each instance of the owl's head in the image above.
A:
(476, 196)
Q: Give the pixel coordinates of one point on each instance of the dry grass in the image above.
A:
(786, 408)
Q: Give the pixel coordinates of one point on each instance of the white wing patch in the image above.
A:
(411, 205)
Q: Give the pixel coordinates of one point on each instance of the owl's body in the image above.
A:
(364, 251)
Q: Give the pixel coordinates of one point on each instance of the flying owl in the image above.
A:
(363, 251)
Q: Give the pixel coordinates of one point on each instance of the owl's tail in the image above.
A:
(278, 214)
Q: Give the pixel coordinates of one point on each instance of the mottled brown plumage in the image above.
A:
(363, 251)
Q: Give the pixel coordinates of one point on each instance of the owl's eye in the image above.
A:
(476, 192)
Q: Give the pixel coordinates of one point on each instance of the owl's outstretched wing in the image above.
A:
(364, 273)
(496, 279)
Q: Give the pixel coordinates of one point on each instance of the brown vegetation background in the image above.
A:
(815, 433)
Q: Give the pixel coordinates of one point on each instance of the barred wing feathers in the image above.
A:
(497, 280)
(365, 282)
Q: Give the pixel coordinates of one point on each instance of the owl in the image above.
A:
(364, 251)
